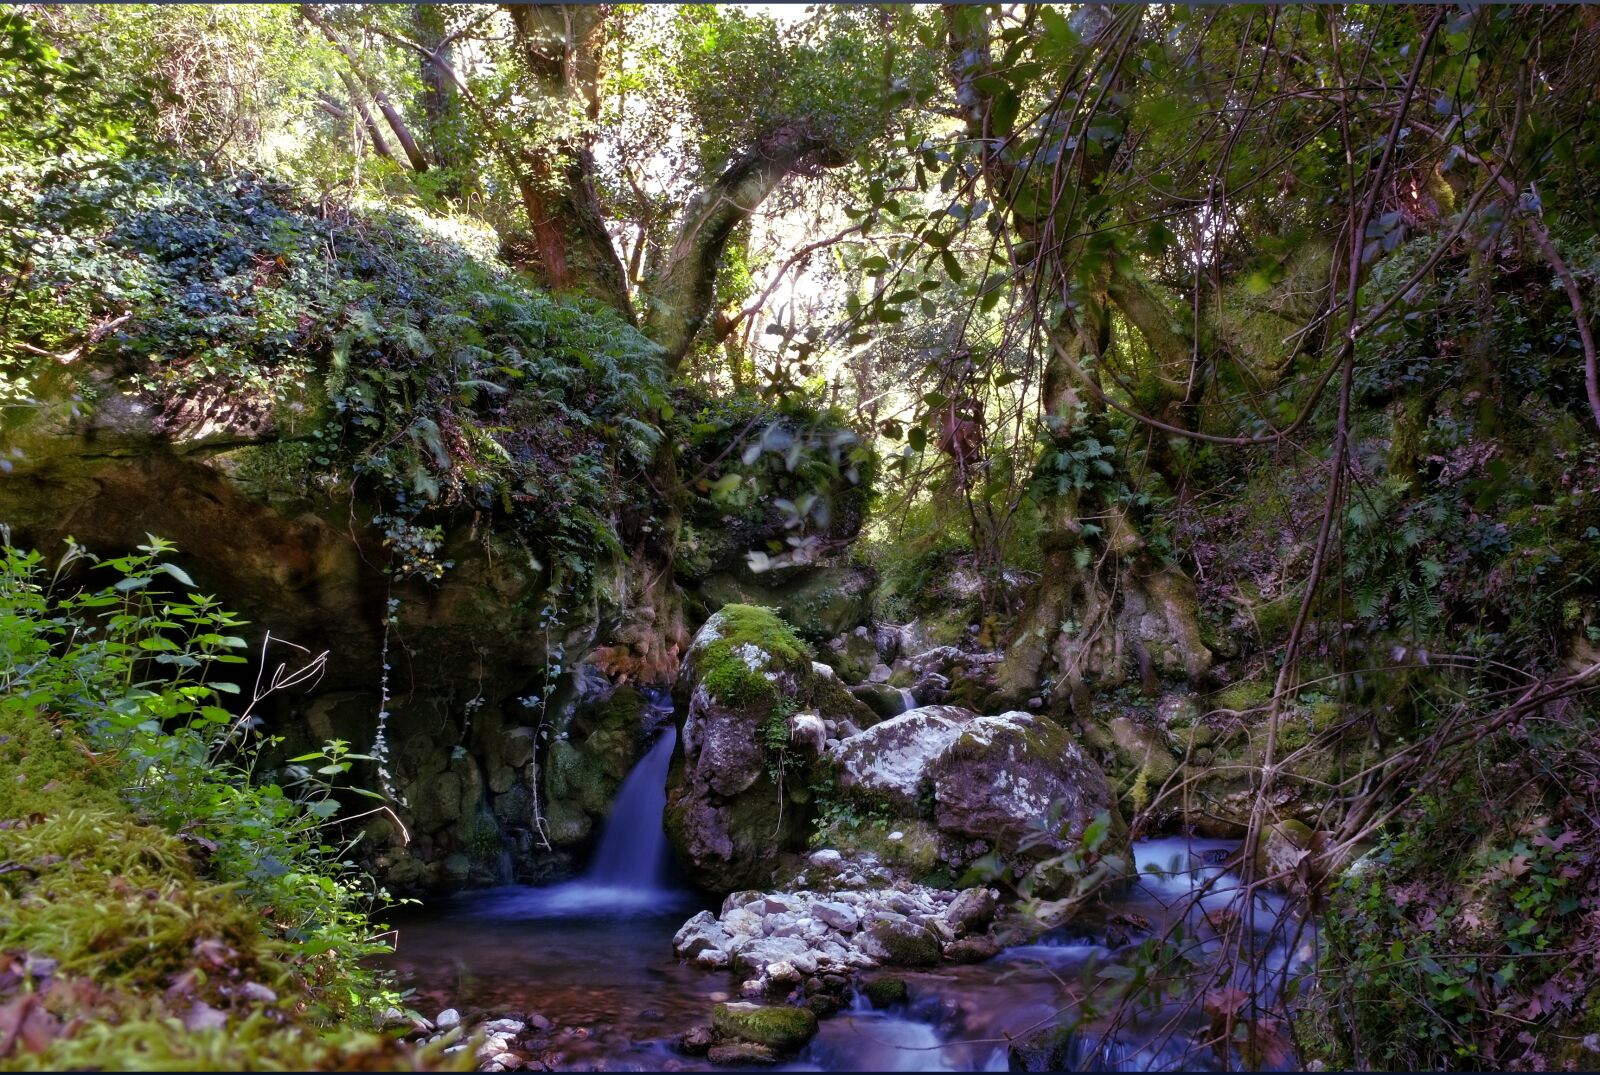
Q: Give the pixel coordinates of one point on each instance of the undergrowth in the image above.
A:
(153, 884)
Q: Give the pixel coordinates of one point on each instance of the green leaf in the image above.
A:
(178, 573)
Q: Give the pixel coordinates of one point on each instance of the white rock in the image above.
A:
(880, 674)
(782, 971)
(505, 1026)
(837, 916)
(897, 835)
(826, 859)
(806, 730)
(741, 922)
(823, 670)
(447, 1018)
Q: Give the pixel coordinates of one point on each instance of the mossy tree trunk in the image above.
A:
(1105, 604)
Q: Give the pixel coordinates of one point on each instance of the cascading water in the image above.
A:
(629, 871)
(633, 847)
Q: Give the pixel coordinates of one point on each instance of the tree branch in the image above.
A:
(681, 285)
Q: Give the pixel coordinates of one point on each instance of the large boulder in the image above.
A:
(889, 763)
(1004, 776)
(1015, 784)
(746, 674)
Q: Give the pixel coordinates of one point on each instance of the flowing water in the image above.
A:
(594, 956)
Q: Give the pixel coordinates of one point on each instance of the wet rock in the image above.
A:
(778, 1027)
(971, 911)
(700, 934)
(972, 949)
(901, 943)
(740, 1053)
(1051, 1049)
(884, 700)
(885, 992)
(696, 1040)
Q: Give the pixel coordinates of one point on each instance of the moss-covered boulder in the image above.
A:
(1024, 784)
(746, 674)
(899, 942)
(948, 785)
(778, 1027)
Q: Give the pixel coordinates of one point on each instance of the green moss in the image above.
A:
(1240, 697)
(778, 1027)
(751, 643)
(885, 992)
(47, 768)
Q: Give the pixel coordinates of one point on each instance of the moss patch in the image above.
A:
(1240, 697)
(138, 962)
(750, 646)
(777, 1027)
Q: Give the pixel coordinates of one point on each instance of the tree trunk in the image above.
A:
(440, 105)
(402, 133)
(1105, 606)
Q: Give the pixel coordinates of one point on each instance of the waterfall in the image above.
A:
(629, 873)
(633, 847)
(908, 700)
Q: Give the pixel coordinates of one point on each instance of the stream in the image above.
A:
(594, 957)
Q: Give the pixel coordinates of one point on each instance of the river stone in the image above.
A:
(836, 916)
(740, 1054)
(884, 992)
(700, 934)
(901, 943)
(447, 1019)
(779, 1027)
(889, 762)
(974, 949)
(971, 911)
